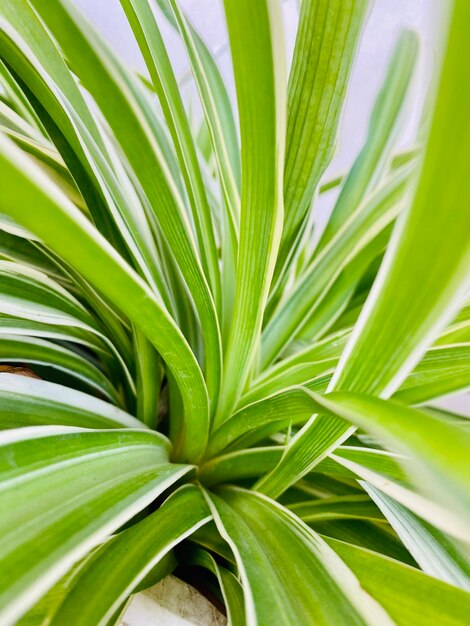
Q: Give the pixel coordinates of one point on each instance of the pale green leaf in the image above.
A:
(102, 77)
(131, 555)
(289, 573)
(230, 586)
(62, 225)
(443, 370)
(327, 39)
(442, 476)
(366, 222)
(416, 291)
(26, 401)
(383, 125)
(147, 33)
(62, 491)
(410, 597)
(256, 46)
(24, 349)
(341, 507)
(435, 553)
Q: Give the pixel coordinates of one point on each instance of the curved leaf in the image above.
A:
(24, 349)
(101, 76)
(442, 475)
(62, 491)
(254, 32)
(29, 402)
(423, 600)
(289, 573)
(131, 555)
(416, 291)
(64, 228)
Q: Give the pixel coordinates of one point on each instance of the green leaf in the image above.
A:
(409, 596)
(110, 89)
(382, 462)
(231, 588)
(435, 553)
(147, 34)
(364, 534)
(327, 39)
(29, 294)
(24, 349)
(297, 374)
(239, 464)
(383, 126)
(295, 368)
(36, 144)
(459, 330)
(17, 99)
(29, 50)
(289, 573)
(51, 310)
(289, 406)
(416, 291)
(255, 39)
(443, 476)
(397, 486)
(62, 491)
(129, 262)
(336, 310)
(370, 218)
(131, 555)
(220, 126)
(216, 106)
(442, 370)
(30, 328)
(253, 462)
(42, 611)
(341, 507)
(149, 379)
(63, 227)
(26, 401)
(399, 322)
(20, 250)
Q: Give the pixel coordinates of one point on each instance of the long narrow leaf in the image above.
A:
(61, 492)
(131, 555)
(436, 554)
(28, 402)
(254, 35)
(147, 33)
(63, 227)
(327, 39)
(399, 321)
(407, 594)
(442, 476)
(289, 573)
(92, 63)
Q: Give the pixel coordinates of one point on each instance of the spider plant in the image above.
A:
(217, 387)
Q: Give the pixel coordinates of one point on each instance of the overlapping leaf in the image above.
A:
(64, 490)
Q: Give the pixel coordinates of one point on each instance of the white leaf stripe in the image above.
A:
(74, 509)
(269, 593)
(260, 93)
(40, 401)
(83, 247)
